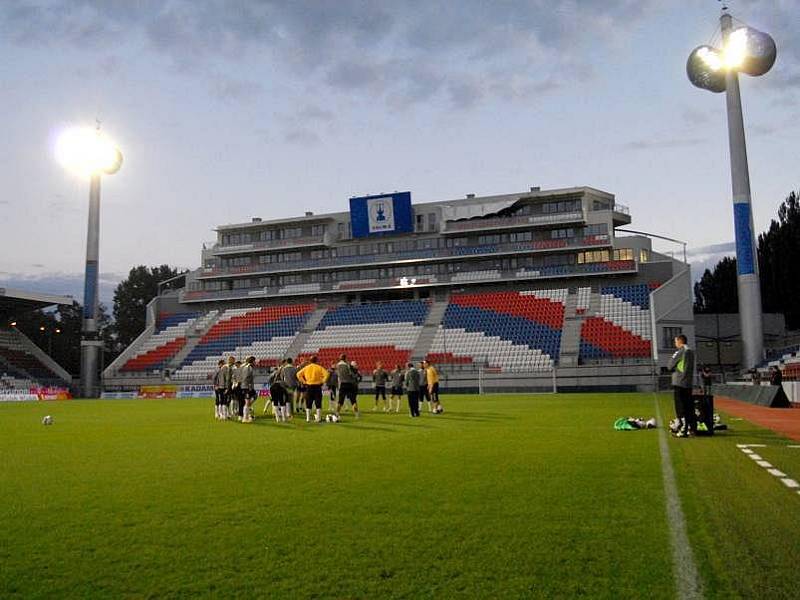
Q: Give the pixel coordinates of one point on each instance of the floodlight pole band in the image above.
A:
(89, 347)
(748, 284)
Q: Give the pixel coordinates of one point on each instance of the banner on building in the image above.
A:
(383, 214)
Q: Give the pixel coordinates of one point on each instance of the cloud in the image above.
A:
(230, 89)
(61, 283)
(302, 137)
(693, 116)
(402, 52)
(707, 257)
(721, 249)
(654, 144)
(312, 112)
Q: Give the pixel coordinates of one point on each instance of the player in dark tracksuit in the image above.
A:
(348, 385)
(379, 379)
(397, 378)
(247, 378)
(228, 379)
(219, 389)
(333, 386)
(413, 383)
(682, 367)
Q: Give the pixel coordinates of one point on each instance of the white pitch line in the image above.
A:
(776, 472)
(754, 456)
(751, 445)
(793, 446)
(746, 450)
(763, 463)
(687, 580)
(790, 483)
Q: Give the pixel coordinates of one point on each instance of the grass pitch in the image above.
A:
(501, 496)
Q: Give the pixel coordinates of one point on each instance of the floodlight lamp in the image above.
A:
(87, 152)
(705, 69)
(758, 50)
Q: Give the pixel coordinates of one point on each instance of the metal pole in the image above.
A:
(746, 257)
(90, 344)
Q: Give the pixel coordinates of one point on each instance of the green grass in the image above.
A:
(502, 496)
(743, 523)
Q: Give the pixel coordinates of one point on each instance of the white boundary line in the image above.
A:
(785, 479)
(687, 580)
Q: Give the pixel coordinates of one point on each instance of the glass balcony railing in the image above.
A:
(412, 255)
(412, 280)
(502, 222)
(298, 242)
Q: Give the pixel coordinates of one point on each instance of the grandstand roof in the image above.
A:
(19, 301)
(455, 208)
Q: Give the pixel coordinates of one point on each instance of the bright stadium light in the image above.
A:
(89, 153)
(752, 52)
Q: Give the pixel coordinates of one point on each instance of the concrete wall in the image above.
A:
(671, 306)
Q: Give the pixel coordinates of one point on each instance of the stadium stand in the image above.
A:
(621, 328)
(368, 332)
(787, 360)
(454, 281)
(512, 331)
(264, 332)
(169, 337)
(18, 361)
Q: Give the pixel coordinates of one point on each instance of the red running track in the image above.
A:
(785, 421)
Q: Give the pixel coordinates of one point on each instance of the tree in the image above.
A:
(716, 291)
(58, 333)
(779, 268)
(131, 298)
(779, 262)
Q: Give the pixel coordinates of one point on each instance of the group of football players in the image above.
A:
(235, 390)
(297, 387)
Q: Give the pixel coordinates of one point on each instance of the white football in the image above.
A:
(332, 418)
(47, 420)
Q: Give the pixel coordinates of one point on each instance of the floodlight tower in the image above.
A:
(717, 70)
(89, 153)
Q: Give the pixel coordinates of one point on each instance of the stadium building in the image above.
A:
(514, 292)
(25, 369)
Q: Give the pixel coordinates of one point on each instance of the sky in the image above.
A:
(229, 109)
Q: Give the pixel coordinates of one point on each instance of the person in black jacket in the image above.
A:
(413, 384)
(682, 367)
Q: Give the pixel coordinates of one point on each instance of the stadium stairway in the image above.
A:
(310, 325)
(429, 329)
(571, 333)
(193, 335)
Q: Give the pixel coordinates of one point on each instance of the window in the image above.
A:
(419, 221)
(596, 229)
(644, 255)
(212, 286)
(593, 256)
(560, 234)
(318, 230)
(623, 254)
(292, 232)
(668, 336)
(432, 222)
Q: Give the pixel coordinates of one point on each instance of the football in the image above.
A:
(332, 418)
(47, 420)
